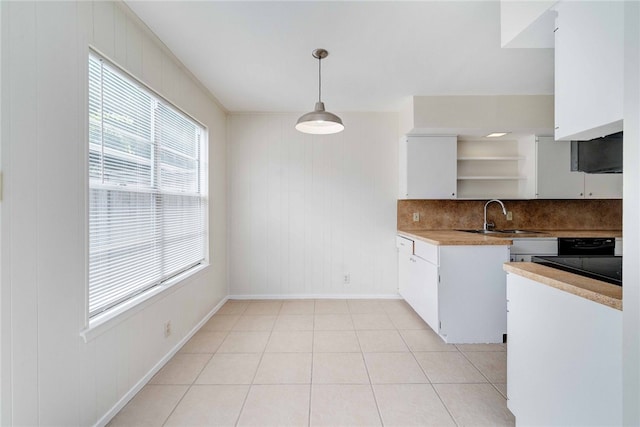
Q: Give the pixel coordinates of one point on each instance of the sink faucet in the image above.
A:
(486, 224)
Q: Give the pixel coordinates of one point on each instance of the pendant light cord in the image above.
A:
(320, 79)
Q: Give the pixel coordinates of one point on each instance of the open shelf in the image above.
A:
(489, 158)
(496, 169)
(492, 178)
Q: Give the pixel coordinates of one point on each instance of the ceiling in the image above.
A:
(256, 56)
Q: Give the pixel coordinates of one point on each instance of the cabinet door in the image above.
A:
(589, 69)
(603, 185)
(404, 261)
(428, 167)
(422, 291)
(554, 178)
(562, 369)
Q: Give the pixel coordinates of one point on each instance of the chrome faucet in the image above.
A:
(486, 224)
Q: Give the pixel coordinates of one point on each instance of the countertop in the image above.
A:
(458, 238)
(585, 287)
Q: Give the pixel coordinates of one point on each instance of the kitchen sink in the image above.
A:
(481, 231)
(512, 231)
(519, 231)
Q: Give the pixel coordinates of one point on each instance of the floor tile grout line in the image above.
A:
(177, 404)
(313, 340)
(479, 370)
(429, 379)
(499, 392)
(446, 407)
(244, 402)
(188, 385)
(364, 361)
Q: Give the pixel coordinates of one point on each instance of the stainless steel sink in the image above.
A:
(518, 231)
(481, 231)
(513, 231)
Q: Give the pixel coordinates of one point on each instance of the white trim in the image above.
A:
(316, 296)
(104, 420)
(110, 318)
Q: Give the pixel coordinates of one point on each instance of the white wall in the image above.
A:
(478, 114)
(304, 210)
(630, 217)
(49, 375)
(527, 24)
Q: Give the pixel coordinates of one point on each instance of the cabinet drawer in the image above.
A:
(426, 251)
(536, 246)
(404, 245)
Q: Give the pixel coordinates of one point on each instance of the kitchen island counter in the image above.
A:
(585, 287)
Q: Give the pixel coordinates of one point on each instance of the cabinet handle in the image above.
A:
(582, 194)
(453, 194)
(591, 194)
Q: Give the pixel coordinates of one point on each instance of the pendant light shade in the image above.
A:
(319, 121)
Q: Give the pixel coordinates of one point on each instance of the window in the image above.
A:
(147, 192)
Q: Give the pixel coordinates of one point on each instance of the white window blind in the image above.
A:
(147, 203)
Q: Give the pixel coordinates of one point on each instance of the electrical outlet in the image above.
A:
(346, 278)
(167, 328)
(416, 216)
(509, 216)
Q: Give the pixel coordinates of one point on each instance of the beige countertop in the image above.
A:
(453, 238)
(458, 238)
(585, 287)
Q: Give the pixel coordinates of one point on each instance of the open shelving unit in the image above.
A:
(496, 168)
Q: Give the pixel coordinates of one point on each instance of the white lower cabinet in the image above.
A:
(564, 364)
(405, 253)
(458, 290)
(423, 290)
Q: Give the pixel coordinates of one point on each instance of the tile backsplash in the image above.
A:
(527, 214)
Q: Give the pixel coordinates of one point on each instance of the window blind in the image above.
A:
(147, 206)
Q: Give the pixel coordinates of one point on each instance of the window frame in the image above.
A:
(135, 302)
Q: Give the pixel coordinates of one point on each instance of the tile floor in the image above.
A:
(323, 363)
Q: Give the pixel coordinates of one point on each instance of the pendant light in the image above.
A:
(319, 121)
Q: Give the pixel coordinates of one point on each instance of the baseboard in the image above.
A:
(315, 296)
(144, 380)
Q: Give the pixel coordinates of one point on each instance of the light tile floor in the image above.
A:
(323, 363)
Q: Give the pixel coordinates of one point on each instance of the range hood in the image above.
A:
(599, 155)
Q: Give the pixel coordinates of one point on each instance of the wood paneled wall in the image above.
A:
(306, 210)
(49, 375)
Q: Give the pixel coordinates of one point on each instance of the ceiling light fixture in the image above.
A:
(496, 134)
(319, 121)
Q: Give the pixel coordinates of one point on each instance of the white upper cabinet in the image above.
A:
(555, 180)
(554, 177)
(428, 167)
(589, 68)
(603, 185)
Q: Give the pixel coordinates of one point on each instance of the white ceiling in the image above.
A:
(256, 56)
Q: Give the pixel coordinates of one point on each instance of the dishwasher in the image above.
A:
(523, 249)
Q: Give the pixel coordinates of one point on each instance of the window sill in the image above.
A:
(107, 320)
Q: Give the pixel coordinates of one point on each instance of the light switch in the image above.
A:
(416, 216)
